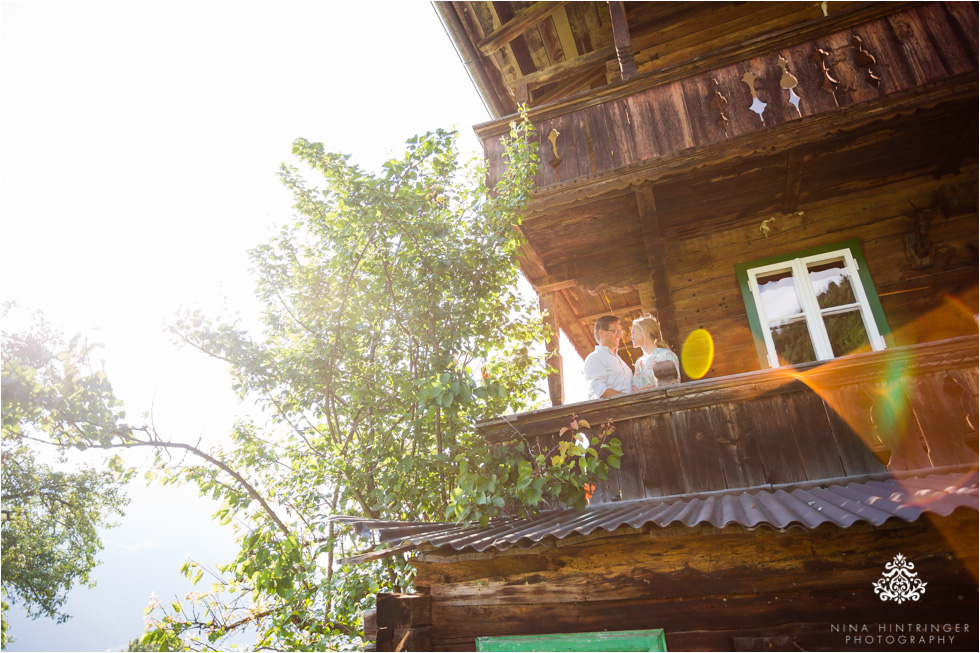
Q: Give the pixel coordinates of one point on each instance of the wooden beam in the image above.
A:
(794, 174)
(621, 38)
(652, 238)
(573, 85)
(567, 68)
(573, 327)
(622, 310)
(556, 383)
(517, 25)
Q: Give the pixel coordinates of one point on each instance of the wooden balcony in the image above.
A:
(804, 83)
(906, 408)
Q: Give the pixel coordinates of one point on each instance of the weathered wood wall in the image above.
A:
(784, 426)
(709, 589)
(921, 305)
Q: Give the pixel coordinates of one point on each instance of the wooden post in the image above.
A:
(404, 622)
(556, 383)
(647, 208)
(621, 38)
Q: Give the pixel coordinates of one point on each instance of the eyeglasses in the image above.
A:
(618, 332)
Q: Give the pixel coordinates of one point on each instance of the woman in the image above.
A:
(659, 365)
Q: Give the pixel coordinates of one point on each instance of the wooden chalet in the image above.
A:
(799, 180)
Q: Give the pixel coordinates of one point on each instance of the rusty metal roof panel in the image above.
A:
(842, 503)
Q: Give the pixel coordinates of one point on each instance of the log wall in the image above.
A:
(920, 305)
(710, 589)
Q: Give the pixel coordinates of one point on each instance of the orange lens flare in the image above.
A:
(697, 354)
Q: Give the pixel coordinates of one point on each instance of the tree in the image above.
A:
(392, 324)
(51, 517)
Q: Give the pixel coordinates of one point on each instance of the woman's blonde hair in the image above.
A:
(649, 324)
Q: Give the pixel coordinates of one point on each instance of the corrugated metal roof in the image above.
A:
(842, 503)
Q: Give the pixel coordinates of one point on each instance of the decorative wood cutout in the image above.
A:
(718, 103)
(953, 389)
(919, 249)
(557, 160)
(865, 61)
(829, 83)
(758, 105)
(788, 82)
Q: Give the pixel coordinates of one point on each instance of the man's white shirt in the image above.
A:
(604, 369)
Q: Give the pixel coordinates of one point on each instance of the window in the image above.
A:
(812, 305)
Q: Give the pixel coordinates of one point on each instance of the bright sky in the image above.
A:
(138, 148)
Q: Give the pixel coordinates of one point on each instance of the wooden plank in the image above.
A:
(814, 436)
(794, 174)
(741, 119)
(556, 384)
(920, 56)
(738, 448)
(707, 123)
(644, 118)
(547, 174)
(657, 456)
(890, 66)
(955, 54)
(551, 41)
(619, 569)
(517, 25)
(601, 138)
(756, 607)
(671, 121)
(655, 246)
(695, 432)
(850, 428)
(566, 69)
(963, 17)
(773, 424)
(938, 404)
(570, 86)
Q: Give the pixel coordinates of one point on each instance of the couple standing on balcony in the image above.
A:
(608, 375)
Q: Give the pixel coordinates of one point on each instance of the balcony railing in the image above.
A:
(905, 408)
(780, 84)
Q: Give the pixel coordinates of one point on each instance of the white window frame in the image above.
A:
(811, 311)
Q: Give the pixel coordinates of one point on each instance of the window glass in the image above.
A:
(792, 342)
(812, 305)
(846, 332)
(778, 292)
(831, 283)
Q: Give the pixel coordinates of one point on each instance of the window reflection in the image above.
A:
(831, 283)
(778, 292)
(792, 343)
(846, 332)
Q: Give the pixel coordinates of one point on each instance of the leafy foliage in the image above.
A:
(51, 517)
(521, 477)
(392, 325)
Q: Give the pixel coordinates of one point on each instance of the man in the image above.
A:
(607, 374)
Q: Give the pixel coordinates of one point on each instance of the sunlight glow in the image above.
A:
(698, 353)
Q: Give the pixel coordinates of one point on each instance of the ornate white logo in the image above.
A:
(899, 583)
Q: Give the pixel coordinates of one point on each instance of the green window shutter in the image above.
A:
(755, 323)
(621, 640)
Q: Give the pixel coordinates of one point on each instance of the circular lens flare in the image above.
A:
(698, 353)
